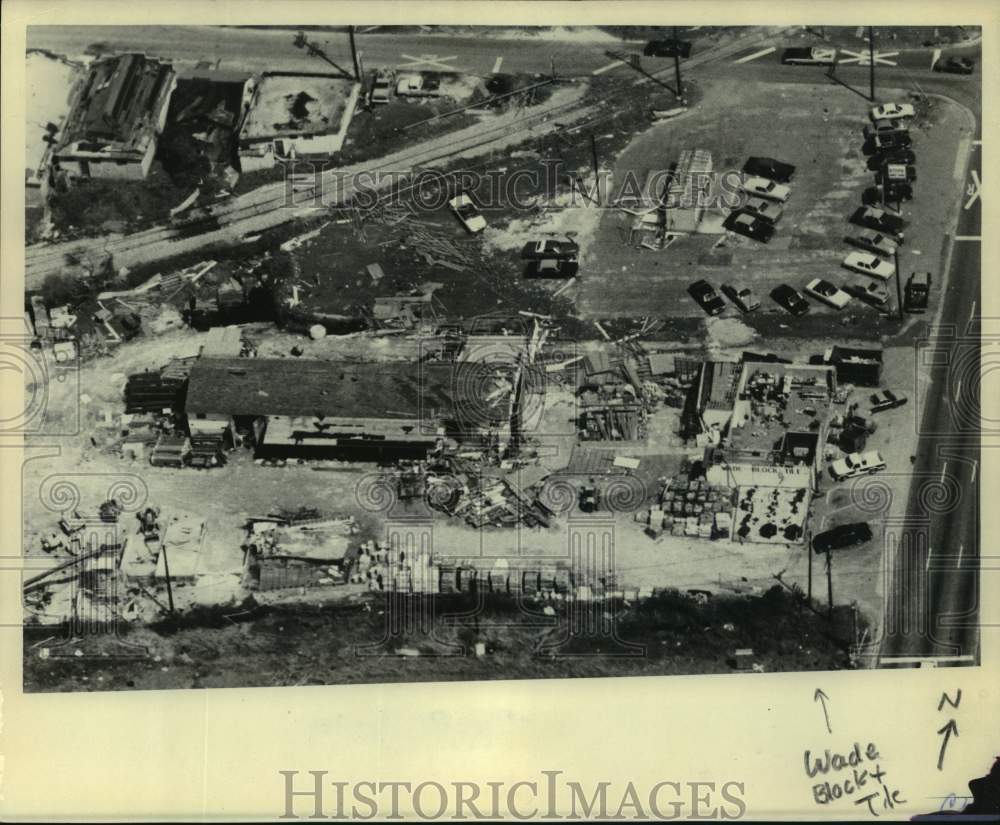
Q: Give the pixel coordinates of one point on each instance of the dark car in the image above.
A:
(879, 220)
(886, 400)
(894, 193)
(548, 248)
(955, 65)
(667, 48)
(918, 292)
(552, 268)
(790, 299)
(706, 296)
(751, 226)
(844, 535)
(887, 141)
(905, 155)
(769, 168)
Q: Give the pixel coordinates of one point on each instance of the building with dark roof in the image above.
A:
(307, 408)
(116, 115)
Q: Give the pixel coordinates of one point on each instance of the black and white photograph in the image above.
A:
(443, 352)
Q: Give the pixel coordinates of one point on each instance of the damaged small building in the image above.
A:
(118, 111)
(295, 115)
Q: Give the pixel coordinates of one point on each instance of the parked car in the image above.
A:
(809, 56)
(892, 111)
(766, 189)
(706, 296)
(742, 296)
(381, 89)
(843, 535)
(885, 141)
(955, 65)
(904, 155)
(886, 400)
(870, 291)
(876, 242)
(743, 223)
(883, 127)
(769, 168)
(856, 464)
(790, 299)
(417, 85)
(467, 213)
(881, 221)
(871, 265)
(918, 291)
(670, 47)
(764, 209)
(548, 248)
(552, 268)
(829, 294)
(887, 193)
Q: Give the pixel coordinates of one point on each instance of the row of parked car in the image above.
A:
(765, 182)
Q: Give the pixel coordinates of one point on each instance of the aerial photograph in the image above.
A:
(366, 354)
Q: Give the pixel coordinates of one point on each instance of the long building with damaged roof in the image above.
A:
(117, 113)
(310, 407)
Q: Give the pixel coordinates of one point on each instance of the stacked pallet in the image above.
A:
(157, 391)
(170, 451)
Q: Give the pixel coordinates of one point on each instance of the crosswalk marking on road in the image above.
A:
(497, 65)
(607, 68)
(428, 60)
(865, 59)
(755, 55)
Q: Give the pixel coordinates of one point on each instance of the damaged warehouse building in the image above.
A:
(321, 409)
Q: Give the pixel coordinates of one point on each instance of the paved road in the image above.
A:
(934, 580)
(263, 49)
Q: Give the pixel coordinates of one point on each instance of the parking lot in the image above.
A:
(821, 134)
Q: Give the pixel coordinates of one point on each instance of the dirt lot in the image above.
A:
(821, 136)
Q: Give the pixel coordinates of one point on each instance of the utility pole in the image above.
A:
(354, 54)
(677, 65)
(829, 582)
(871, 61)
(166, 575)
(809, 550)
(899, 285)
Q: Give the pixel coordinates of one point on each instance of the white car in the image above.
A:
(892, 111)
(857, 464)
(467, 213)
(766, 189)
(828, 293)
(868, 264)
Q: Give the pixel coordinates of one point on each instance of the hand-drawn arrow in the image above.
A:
(947, 730)
(822, 698)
